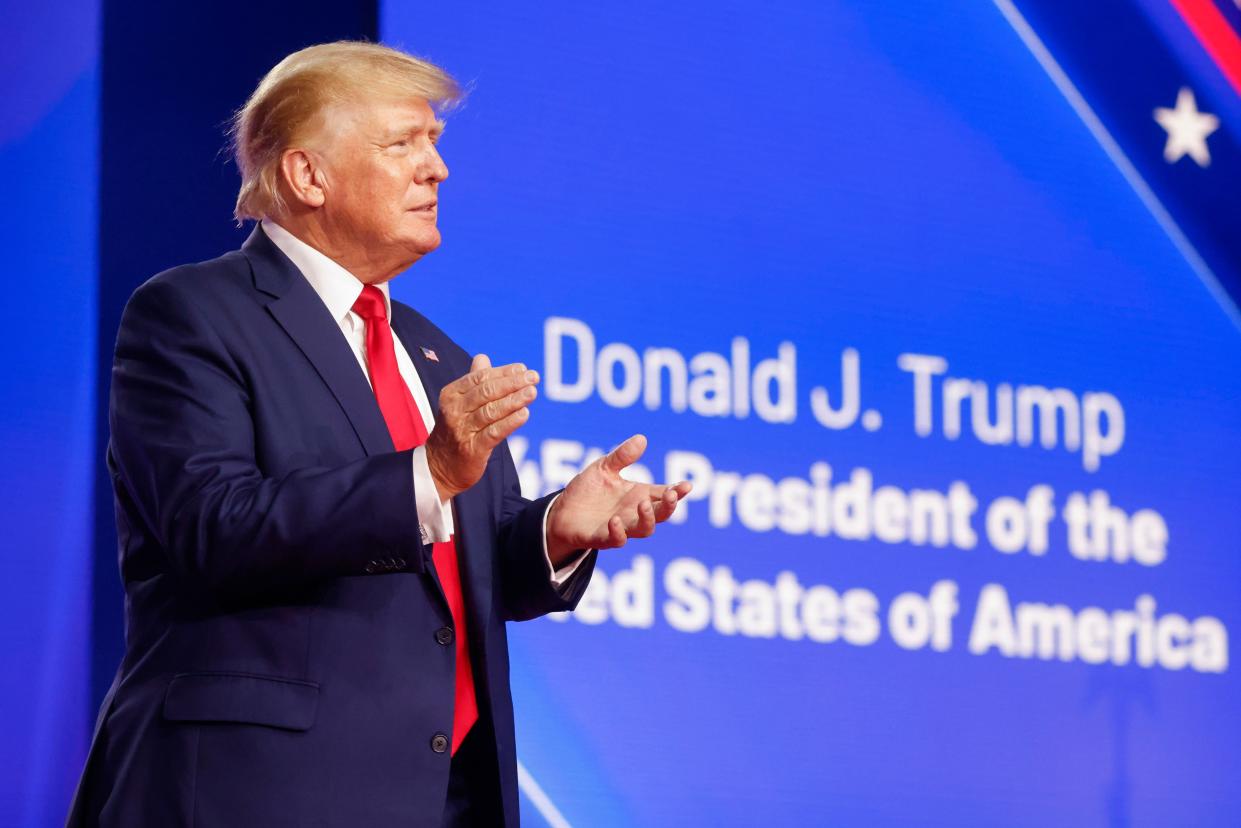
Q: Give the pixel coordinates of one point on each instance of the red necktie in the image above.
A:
(405, 425)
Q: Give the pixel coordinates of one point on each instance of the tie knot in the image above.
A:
(370, 304)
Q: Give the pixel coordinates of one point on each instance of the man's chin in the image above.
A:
(424, 242)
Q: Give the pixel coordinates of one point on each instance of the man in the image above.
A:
(321, 532)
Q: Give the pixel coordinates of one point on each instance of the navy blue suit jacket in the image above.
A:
(282, 662)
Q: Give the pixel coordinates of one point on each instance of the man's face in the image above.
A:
(382, 174)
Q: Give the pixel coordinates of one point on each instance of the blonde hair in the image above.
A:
(291, 98)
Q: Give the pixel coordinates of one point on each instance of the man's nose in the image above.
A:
(433, 168)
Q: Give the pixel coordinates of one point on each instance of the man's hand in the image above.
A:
(477, 412)
(599, 509)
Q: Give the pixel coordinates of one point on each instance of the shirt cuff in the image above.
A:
(434, 515)
(564, 573)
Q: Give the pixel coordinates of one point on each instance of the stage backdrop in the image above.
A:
(49, 88)
(926, 301)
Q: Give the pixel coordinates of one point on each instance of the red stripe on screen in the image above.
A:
(1215, 34)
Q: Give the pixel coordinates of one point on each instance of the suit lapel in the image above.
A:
(471, 506)
(301, 313)
(304, 317)
(434, 374)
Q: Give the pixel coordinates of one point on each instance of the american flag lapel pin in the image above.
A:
(429, 354)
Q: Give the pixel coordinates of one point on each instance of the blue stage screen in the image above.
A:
(49, 116)
(949, 356)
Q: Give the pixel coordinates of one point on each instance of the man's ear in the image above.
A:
(301, 173)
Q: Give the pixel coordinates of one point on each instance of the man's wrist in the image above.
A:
(446, 492)
(558, 552)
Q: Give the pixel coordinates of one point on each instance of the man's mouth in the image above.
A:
(425, 208)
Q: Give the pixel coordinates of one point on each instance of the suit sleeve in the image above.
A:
(528, 591)
(183, 442)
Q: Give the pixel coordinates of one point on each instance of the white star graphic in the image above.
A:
(1187, 129)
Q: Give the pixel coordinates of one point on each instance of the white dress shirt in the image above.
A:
(339, 289)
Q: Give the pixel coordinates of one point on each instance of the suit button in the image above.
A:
(371, 567)
(400, 562)
(439, 743)
(444, 635)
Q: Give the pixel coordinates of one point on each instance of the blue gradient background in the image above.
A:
(888, 178)
(49, 88)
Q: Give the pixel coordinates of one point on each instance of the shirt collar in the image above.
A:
(337, 287)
